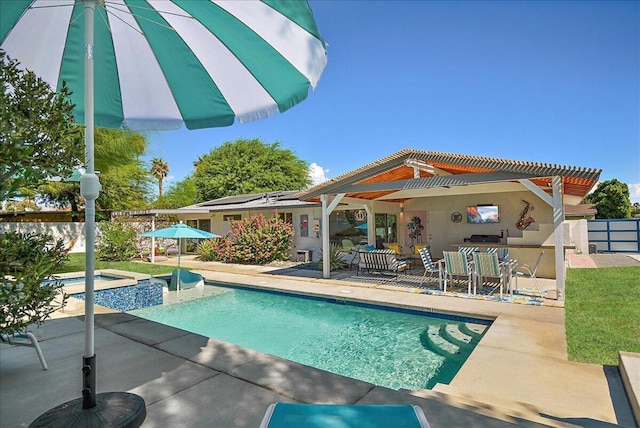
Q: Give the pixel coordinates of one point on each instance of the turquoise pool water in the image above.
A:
(392, 348)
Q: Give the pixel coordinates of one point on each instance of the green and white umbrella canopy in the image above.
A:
(160, 64)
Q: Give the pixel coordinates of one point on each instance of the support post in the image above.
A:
(326, 266)
(558, 234)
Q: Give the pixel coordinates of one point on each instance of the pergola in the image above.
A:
(410, 174)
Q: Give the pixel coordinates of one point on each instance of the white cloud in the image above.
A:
(634, 192)
(316, 174)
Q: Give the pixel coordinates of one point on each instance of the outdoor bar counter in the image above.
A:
(527, 254)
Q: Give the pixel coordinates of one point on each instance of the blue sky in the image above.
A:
(555, 82)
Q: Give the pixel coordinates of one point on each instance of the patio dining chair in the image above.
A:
(430, 267)
(457, 264)
(503, 253)
(486, 265)
(523, 270)
(468, 251)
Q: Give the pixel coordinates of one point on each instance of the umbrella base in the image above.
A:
(112, 409)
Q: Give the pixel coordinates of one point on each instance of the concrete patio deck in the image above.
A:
(517, 375)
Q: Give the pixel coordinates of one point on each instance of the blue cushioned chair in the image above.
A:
(290, 415)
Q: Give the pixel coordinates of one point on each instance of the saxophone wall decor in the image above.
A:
(525, 220)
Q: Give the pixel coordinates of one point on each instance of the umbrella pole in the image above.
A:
(89, 189)
(179, 245)
(117, 409)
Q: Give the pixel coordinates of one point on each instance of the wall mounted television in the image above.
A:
(481, 214)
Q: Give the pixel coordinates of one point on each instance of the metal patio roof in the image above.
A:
(391, 180)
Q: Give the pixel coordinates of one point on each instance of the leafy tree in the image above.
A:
(117, 241)
(38, 137)
(26, 204)
(160, 170)
(178, 195)
(62, 195)
(248, 166)
(123, 176)
(611, 199)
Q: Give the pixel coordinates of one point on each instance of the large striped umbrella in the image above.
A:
(162, 63)
(158, 64)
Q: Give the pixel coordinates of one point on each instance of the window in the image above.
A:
(191, 245)
(304, 225)
(204, 225)
(347, 224)
(231, 217)
(286, 217)
(386, 228)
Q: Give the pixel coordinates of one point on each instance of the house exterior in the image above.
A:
(411, 197)
(580, 211)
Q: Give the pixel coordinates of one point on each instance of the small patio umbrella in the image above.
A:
(75, 176)
(363, 226)
(179, 231)
(159, 64)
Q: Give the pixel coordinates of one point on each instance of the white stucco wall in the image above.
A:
(65, 231)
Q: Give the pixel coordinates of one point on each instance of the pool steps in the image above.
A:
(453, 341)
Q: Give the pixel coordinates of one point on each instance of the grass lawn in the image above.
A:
(76, 263)
(602, 313)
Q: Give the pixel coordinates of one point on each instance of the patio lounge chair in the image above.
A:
(486, 265)
(381, 261)
(394, 247)
(430, 267)
(457, 264)
(188, 279)
(347, 245)
(295, 415)
(171, 249)
(5, 338)
(349, 252)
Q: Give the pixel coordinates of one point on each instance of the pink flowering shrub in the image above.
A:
(256, 240)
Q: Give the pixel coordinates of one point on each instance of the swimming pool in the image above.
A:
(395, 348)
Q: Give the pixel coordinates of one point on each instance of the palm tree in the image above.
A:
(160, 170)
(197, 163)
